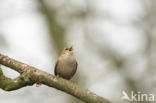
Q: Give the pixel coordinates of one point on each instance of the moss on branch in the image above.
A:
(30, 75)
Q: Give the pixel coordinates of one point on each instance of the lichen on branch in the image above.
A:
(30, 75)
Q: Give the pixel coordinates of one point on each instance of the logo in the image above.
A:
(137, 96)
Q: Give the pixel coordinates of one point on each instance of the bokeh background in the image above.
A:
(114, 43)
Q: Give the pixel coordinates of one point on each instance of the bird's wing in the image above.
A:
(76, 66)
(56, 68)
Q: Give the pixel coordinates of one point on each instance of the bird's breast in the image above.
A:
(67, 66)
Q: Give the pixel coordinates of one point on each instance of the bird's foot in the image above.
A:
(56, 78)
(71, 80)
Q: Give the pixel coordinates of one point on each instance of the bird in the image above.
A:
(66, 65)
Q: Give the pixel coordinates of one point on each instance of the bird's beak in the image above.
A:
(71, 48)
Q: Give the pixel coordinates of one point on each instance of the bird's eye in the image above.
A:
(66, 48)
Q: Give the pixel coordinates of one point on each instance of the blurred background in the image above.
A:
(114, 43)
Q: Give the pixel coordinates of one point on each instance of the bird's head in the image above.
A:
(68, 51)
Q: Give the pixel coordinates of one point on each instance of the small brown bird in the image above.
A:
(66, 64)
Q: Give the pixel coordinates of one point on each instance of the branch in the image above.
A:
(30, 75)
